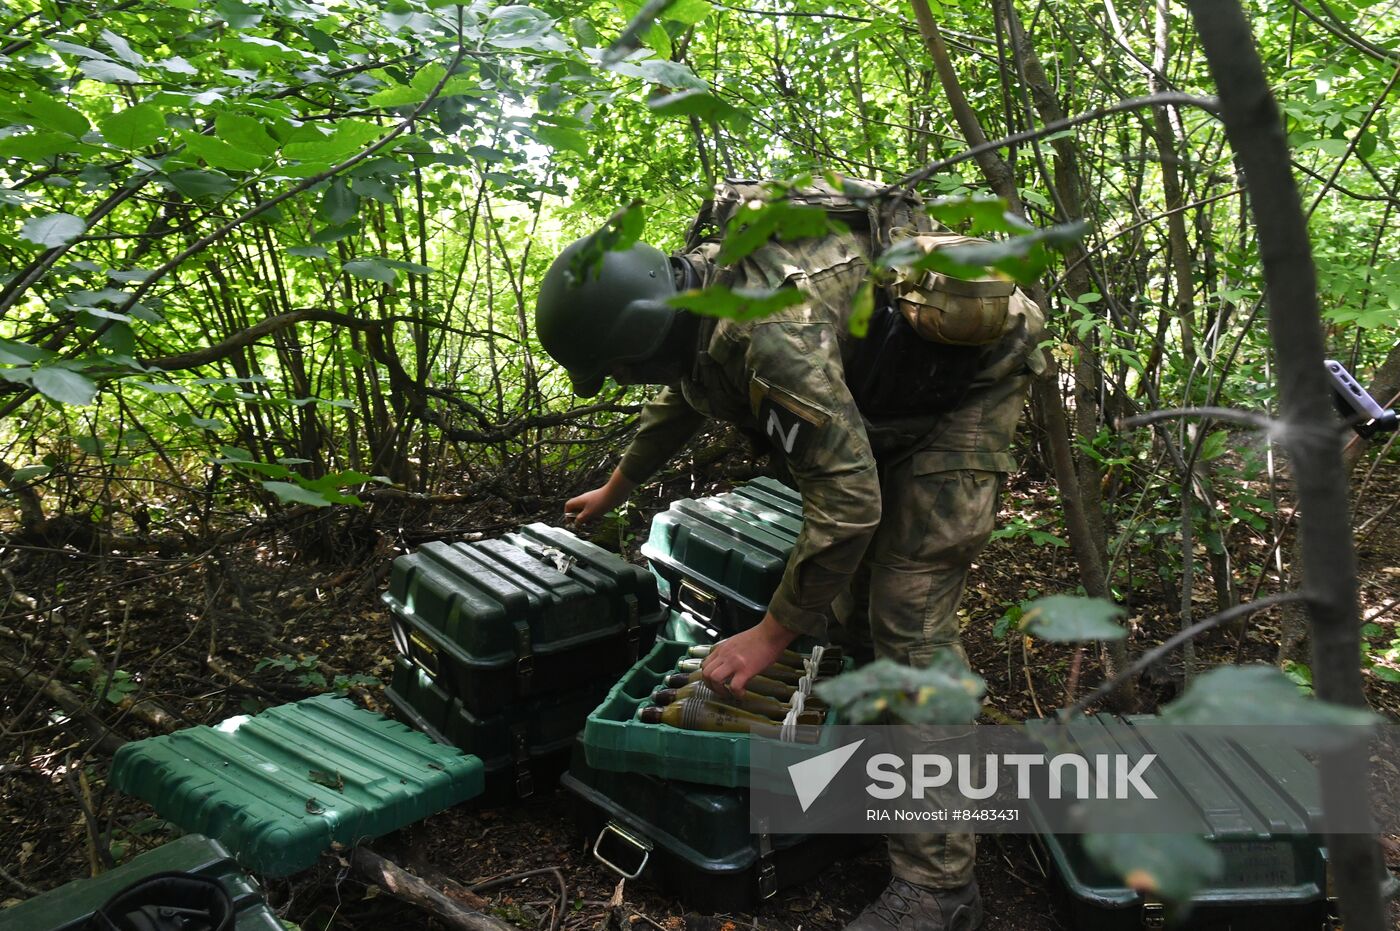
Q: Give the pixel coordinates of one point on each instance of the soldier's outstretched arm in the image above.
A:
(667, 424)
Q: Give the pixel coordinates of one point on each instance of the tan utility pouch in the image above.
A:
(954, 311)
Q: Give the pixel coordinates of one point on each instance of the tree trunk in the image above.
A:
(1090, 538)
(1256, 133)
(1293, 642)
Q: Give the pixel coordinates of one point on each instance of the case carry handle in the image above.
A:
(631, 840)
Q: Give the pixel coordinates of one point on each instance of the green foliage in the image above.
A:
(737, 304)
(622, 231)
(1167, 867)
(944, 693)
(757, 223)
(1019, 527)
(304, 669)
(1023, 256)
(1072, 619)
(1258, 695)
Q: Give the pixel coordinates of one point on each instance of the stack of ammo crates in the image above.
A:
(719, 560)
(506, 645)
(672, 805)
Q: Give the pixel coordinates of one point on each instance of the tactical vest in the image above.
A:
(857, 203)
(928, 331)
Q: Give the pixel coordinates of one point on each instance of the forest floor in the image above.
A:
(261, 606)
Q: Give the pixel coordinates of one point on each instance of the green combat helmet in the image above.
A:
(617, 313)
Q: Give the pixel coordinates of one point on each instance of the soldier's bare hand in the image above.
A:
(733, 662)
(589, 506)
(592, 505)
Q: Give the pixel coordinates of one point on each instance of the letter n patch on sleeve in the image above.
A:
(790, 423)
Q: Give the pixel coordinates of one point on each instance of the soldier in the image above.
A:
(897, 501)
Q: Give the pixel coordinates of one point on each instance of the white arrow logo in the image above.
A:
(811, 777)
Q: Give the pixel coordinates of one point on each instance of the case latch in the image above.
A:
(524, 658)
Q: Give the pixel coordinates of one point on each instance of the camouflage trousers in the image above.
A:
(904, 599)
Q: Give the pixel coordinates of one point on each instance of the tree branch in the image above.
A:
(1209, 104)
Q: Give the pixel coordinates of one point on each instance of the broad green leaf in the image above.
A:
(37, 146)
(642, 21)
(50, 113)
(1070, 619)
(671, 74)
(72, 48)
(104, 314)
(203, 423)
(427, 78)
(16, 353)
(753, 226)
(397, 96)
(1170, 867)
(947, 692)
(122, 49)
(350, 136)
(133, 128)
(985, 212)
(559, 137)
(197, 183)
(56, 229)
(1260, 695)
(1022, 257)
(862, 308)
(741, 304)
(584, 31)
(29, 473)
(693, 102)
(1216, 445)
(219, 154)
(109, 72)
(64, 385)
(487, 154)
(245, 133)
(339, 204)
(372, 270)
(290, 493)
(687, 12)
(413, 268)
(18, 198)
(620, 231)
(271, 469)
(238, 15)
(332, 234)
(177, 65)
(369, 187)
(308, 252)
(522, 27)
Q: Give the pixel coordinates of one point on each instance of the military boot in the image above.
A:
(904, 906)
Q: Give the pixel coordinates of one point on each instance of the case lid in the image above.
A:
(279, 787)
(536, 591)
(70, 906)
(1255, 802)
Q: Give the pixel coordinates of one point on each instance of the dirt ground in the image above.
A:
(162, 616)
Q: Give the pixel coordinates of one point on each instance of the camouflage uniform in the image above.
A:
(892, 540)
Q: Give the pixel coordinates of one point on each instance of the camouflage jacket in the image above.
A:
(783, 376)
